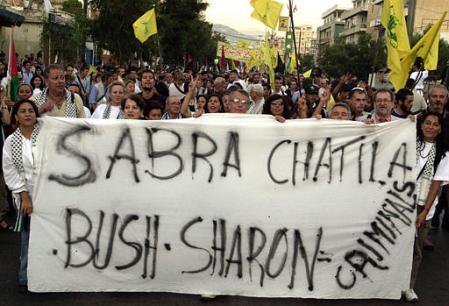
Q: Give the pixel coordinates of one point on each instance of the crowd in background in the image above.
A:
(130, 92)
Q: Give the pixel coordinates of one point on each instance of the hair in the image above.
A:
(256, 88)
(146, 70)
(219, 80)
(341, 104)
(149, 106)
(382, 90)
(42, 86)
(136, 98)
(15, 109)
(115, 83)
(267, 105)
(127, 81)
(402, 94)
(240, 91)
(439, 86)
(206, 109)
(359, 91)
(440, 141)
(27, 85)
(52, 67)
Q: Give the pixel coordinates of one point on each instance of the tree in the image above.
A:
(66, 37)
(113, 30)
(183, 26)
(181, 30)
(359, 59)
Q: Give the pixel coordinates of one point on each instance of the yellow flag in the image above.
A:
(253, 60)
(145, 26)
(398, 45)
(307, 74)
(293, 61)
(268, 60)
(267, 12)
(92, 70)
(243, 44)
(426, 48)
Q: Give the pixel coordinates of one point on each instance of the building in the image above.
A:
(27, 37)
(355, 21)
(417, 14)
(330, 31)
(304, 36)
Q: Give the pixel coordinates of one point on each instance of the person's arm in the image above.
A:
(302, 109)
(433, 193)
(343, 79)
(6, 116)
(323, 101)
(185, 112)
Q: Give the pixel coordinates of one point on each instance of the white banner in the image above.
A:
(225, 205)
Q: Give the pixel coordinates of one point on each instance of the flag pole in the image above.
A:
(161, 61)
(290, 8)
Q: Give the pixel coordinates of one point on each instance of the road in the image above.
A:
(432, 286)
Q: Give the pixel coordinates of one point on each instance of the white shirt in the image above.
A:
(12, 176)
(441, 174)
(421, 75)
(99, 111)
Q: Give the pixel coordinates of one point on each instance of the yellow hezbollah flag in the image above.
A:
(268, 60)
(426, 48)
(398, 45)
(293, 61)
(267, 12)
(145, 26)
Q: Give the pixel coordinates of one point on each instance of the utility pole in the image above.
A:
(290, 4)
(411, 17)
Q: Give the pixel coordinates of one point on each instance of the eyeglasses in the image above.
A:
(239, 101)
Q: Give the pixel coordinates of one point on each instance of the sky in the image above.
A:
(237, 13)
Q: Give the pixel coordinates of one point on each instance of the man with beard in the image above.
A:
(147, 83)
(403, 105)
(438, 96)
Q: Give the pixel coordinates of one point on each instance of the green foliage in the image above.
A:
(113, 30)
(185, 31)
(181, 29)
(307, 61)
(359, 59)
(67, 40)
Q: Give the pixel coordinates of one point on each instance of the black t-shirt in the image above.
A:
(154, 97)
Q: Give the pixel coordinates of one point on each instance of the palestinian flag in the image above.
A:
(13, 73)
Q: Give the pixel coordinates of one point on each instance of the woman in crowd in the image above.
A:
(112, 109)
(277, 106)
(132, 106)
(25, 91)
(37, 83)
(130, 86)
(38, 71)
(432, 168)
(153, 110)
(18, 172)
(214, 104)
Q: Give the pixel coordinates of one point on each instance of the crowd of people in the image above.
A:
(119, 92)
